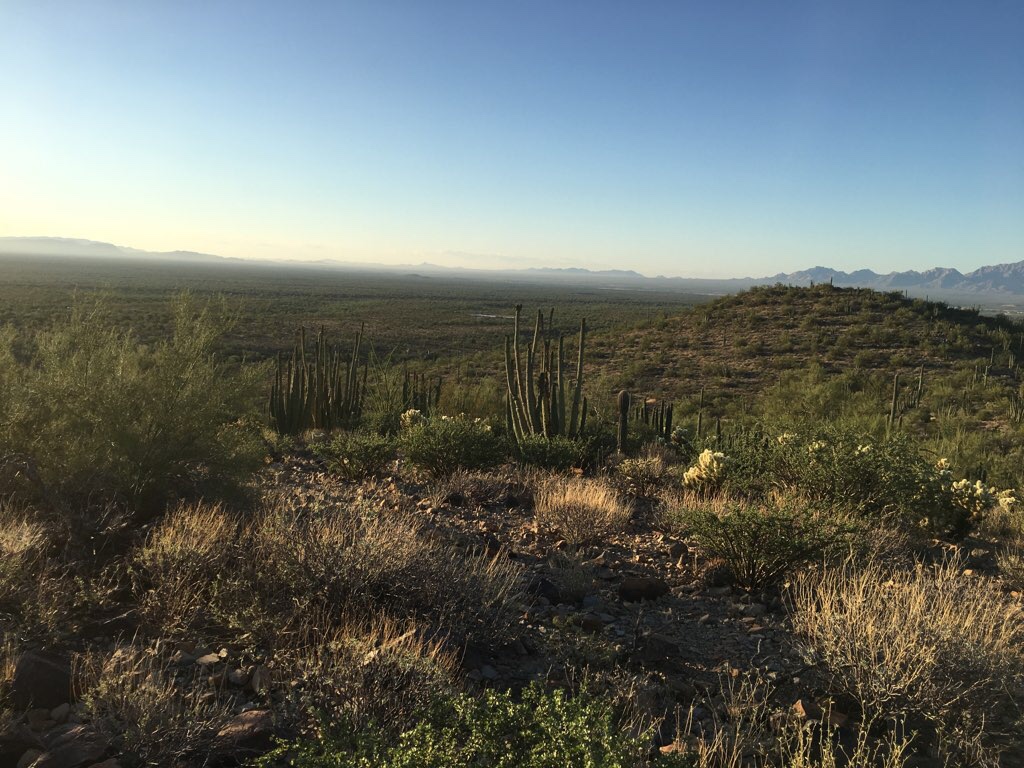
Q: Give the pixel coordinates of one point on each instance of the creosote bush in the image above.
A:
(928, 645)
(557, 453)
(580, 509)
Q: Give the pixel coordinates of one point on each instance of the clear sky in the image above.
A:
(711, 138)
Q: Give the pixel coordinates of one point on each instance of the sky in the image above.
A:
(706, 139)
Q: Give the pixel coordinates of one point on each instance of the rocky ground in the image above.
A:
(643, 610)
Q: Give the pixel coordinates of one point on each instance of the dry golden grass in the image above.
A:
(368, 670)
(182, 557)
(199, 569)
(580, 509)
(23, 545)
(929, 644)
(746, 724)
(134, 698)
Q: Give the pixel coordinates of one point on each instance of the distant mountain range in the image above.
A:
(1001, 279)
(68, 246)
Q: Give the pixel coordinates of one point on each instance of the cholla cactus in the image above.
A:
(411, 418)
(708, 472)
(786, 437)
(975, 497)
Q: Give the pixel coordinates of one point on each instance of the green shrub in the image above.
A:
(761, 543)
(444, 444)
(358, 455)
(542, 730)
(556, 453)
(103, 416)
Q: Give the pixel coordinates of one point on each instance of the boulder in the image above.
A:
(76, 747)
(633, 589)
(250, 733)
(42, 679)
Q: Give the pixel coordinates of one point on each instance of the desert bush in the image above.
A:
(373, 670)
(102, 415)
(181, 562)
(573, 576)
(358, 455)
(355, 560)
(642, 477)
(762, 542)
(150, 714)
(443, 444)
(558, 453)
(747, 728)
(538, 730)
(580, 509)
(929, 644)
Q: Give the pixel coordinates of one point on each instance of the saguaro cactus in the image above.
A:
(623, 402)
(537, 403)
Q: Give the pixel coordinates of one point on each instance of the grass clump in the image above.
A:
(145, 708)
(763, 542)
(928, 646)
(539, 730)
(580, 509)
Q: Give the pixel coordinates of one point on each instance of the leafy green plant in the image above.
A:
(443, 444)
(761, 543)
(102, 416)
(555, 453)
(541, 730)
(358, 455)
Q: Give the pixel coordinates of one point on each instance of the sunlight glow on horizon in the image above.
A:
(684, 139)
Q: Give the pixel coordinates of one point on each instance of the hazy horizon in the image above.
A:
(676, 139)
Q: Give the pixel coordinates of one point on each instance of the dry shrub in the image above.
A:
(474, 488)
(373, 670)
(573, 576)
(202, 570)
(642, 478)
(580, 509)
(744, 724)
(182, 559)
(1010, 559)
(23, 545)
(927, 644)
(133, 697)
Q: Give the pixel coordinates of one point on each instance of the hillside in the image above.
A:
(740, 345)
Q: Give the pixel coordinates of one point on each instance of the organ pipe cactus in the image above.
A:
(324, 391)
(537, 402)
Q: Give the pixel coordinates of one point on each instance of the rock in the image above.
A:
(15, 740)
(182, 658)
(488, 672)
(755, 610)
(591, 623)
(545, 588)
(655, 648)
(76, 747)
(633, 589)
(808, 710)
(59, 714)
(208, 660)
(238, 677)
(28, 758)
(108, 763)
(592, 601)
(41, 679)
(259, 679)
(248, 733)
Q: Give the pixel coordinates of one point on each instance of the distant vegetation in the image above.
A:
(788, 532)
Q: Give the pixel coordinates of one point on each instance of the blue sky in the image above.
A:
(685, 138)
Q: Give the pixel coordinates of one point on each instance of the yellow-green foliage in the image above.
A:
(99, 413)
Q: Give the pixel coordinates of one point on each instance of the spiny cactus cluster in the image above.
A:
(537, 402)
(654, 413)
(322, 391)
